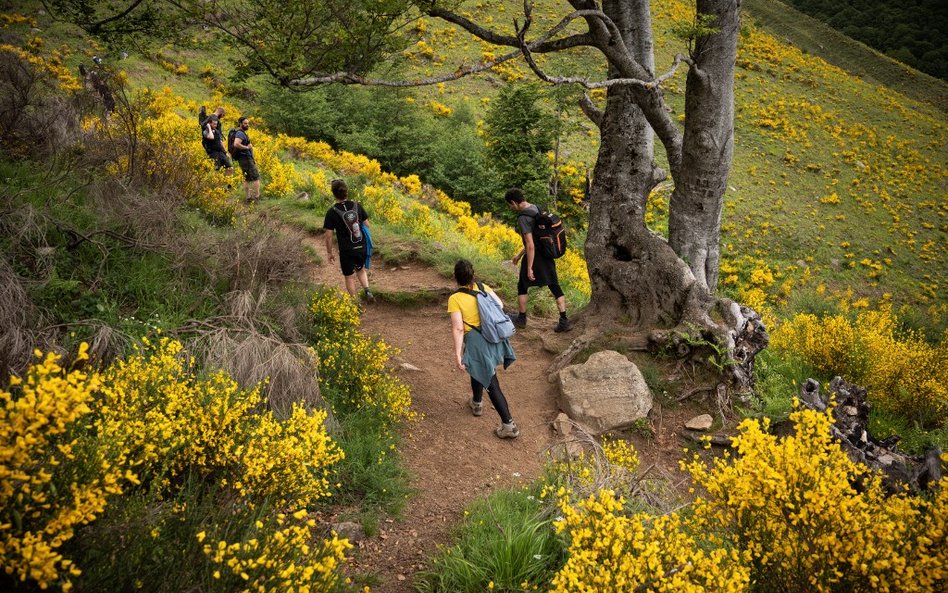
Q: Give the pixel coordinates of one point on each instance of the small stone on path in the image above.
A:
(408, 367)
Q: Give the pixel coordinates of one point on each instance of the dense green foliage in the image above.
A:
(914, 32)
(519, 134)
(391, 127)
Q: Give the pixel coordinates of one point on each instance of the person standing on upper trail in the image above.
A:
(213, 142)
(243, 154)
(474, 354)
(536, 269)
(346, 219)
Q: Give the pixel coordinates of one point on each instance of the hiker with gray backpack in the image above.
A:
(481, 332)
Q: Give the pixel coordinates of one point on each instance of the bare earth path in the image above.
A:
(452, 456)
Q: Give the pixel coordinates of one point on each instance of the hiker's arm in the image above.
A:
(531, 253)
(239, 144)
(457, 332)
(328, 236)
(516, 258)
(208, 132)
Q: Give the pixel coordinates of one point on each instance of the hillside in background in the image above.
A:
(914, 32)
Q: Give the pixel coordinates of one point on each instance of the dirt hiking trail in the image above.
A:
(451, 456)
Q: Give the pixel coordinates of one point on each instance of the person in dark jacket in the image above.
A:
(243, 151)
(477, 356)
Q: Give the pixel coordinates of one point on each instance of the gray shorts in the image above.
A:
(249, 167)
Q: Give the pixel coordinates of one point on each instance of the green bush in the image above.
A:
(507, 543)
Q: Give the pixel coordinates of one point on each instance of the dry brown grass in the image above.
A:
(287, 371)
(35, 120)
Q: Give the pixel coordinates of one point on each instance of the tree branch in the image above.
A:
(94, 28)
(350, 78)
(592, 112)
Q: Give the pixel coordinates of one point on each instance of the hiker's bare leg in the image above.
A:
(561, 304)
(363, 276)
(256, 189)
(351, 285)
(247, 190)
(522, 303)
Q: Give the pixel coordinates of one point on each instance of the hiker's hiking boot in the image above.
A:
(367, 295)
(520, 321)
(508, 431)
(477, 408)
(563, 326)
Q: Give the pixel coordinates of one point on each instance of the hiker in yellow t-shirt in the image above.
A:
(476, 355)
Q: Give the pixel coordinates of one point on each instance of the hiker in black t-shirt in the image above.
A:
(535, 268)
(346, 219)
(213, 142)
(203, 117)
(243, 152)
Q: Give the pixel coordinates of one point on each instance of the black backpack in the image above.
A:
(352, 221)
(549, 234)
(231, 134)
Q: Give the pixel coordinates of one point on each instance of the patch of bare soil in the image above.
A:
(451, 456)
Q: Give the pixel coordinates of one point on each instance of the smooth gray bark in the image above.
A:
(695, 211)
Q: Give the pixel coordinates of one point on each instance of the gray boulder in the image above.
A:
(606, 393)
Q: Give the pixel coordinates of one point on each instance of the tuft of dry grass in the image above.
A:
(16, 340)
(35, 120)
(287, 371)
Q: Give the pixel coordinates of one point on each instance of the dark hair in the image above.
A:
(514, 195)
(464, 272)
(213, 118)
(241, 119)
(340, 190)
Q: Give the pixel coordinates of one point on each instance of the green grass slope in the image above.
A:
(815, 37)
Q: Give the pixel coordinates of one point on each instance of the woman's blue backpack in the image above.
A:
(496, 326)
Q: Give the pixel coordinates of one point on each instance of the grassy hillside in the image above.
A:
(815, 37)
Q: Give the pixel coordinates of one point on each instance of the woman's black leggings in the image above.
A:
(497, 398)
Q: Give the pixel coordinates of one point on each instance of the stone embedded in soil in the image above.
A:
(702, 422)
(562, 425)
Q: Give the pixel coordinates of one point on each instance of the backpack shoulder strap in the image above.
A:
(473, 293)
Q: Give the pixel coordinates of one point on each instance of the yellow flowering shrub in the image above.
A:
(169, 421)
(353, 375)
(53, 476)
(609, 552)
(51, 64)
(282, 557)
(901, 372)
(792, 507)
(168, 152)
(785, 514)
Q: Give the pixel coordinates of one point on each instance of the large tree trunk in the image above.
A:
(665, 288)
(695, 212)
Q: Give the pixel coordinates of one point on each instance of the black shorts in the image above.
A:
(351, 261)
(249, 167)
(221, 159)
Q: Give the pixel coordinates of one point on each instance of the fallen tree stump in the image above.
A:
(851, 420)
